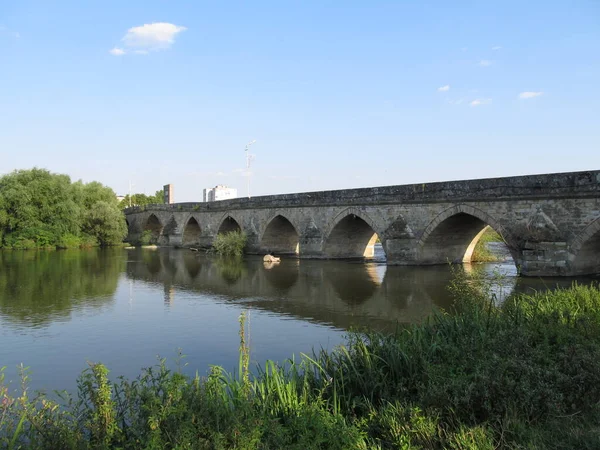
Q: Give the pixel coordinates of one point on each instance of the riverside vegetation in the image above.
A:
(39, 209)
(481, 252)
(524, 374)
(231, 244)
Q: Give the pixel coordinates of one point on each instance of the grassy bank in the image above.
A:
(481, 252)
(524, 375)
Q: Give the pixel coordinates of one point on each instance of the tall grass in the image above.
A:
(525, 374)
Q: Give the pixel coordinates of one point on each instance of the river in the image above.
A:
(61, 309)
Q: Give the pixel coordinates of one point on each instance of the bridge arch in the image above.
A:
(585, 249)
(153, 226)
(280, 236)
(452, 235)
(228, 224)
(191, 232)
(352, 234)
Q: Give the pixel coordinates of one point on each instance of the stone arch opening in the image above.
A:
(154, 228)
(455, 238)
(228, 225)
(351, 237)
(191, 232)
(280, 237)
(587, 256)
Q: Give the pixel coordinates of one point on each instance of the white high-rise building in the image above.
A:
(219, 192)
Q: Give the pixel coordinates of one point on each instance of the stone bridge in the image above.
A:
(550, 223)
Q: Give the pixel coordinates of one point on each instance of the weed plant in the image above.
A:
(523, 375)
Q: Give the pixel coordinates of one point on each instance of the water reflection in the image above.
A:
(38, 287)
(282, 276)
(353, 283)
(338, 293)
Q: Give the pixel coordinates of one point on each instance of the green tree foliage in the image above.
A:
(104, 221)
(40, 209)
(142, 200)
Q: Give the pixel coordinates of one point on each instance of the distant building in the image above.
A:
(168, 194)
(120, 198)
(219, 193)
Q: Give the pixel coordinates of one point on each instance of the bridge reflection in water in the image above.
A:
(342, 294)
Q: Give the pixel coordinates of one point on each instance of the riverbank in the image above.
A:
(482, 252)
(524, 375)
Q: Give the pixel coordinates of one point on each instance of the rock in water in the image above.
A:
(271, 258)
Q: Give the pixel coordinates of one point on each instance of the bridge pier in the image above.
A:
(544, 259)
(310, 247)
(172, 240)
(401, 252)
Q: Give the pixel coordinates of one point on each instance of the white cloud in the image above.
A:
(148, 38)
(117, 51)
(485, 63)
(529, 94)
(496, 47)
(481, 101)
(444, 88)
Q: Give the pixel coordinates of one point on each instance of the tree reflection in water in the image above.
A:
(38, 287)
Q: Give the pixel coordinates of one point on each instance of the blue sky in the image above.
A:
(336, 94)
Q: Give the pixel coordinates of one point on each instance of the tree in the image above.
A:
(37, 206)
(42, 209)
(142, 200)
(106, 223)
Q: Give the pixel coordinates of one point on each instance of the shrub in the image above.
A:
(22, 243)
(230, 244)
(69, 241)
(146, 238)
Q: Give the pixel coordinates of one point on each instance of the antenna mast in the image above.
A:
(249, 159)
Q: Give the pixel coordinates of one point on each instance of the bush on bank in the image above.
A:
(523, 375)
(40, 209)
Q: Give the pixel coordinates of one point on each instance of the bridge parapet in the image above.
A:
(552, 186)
